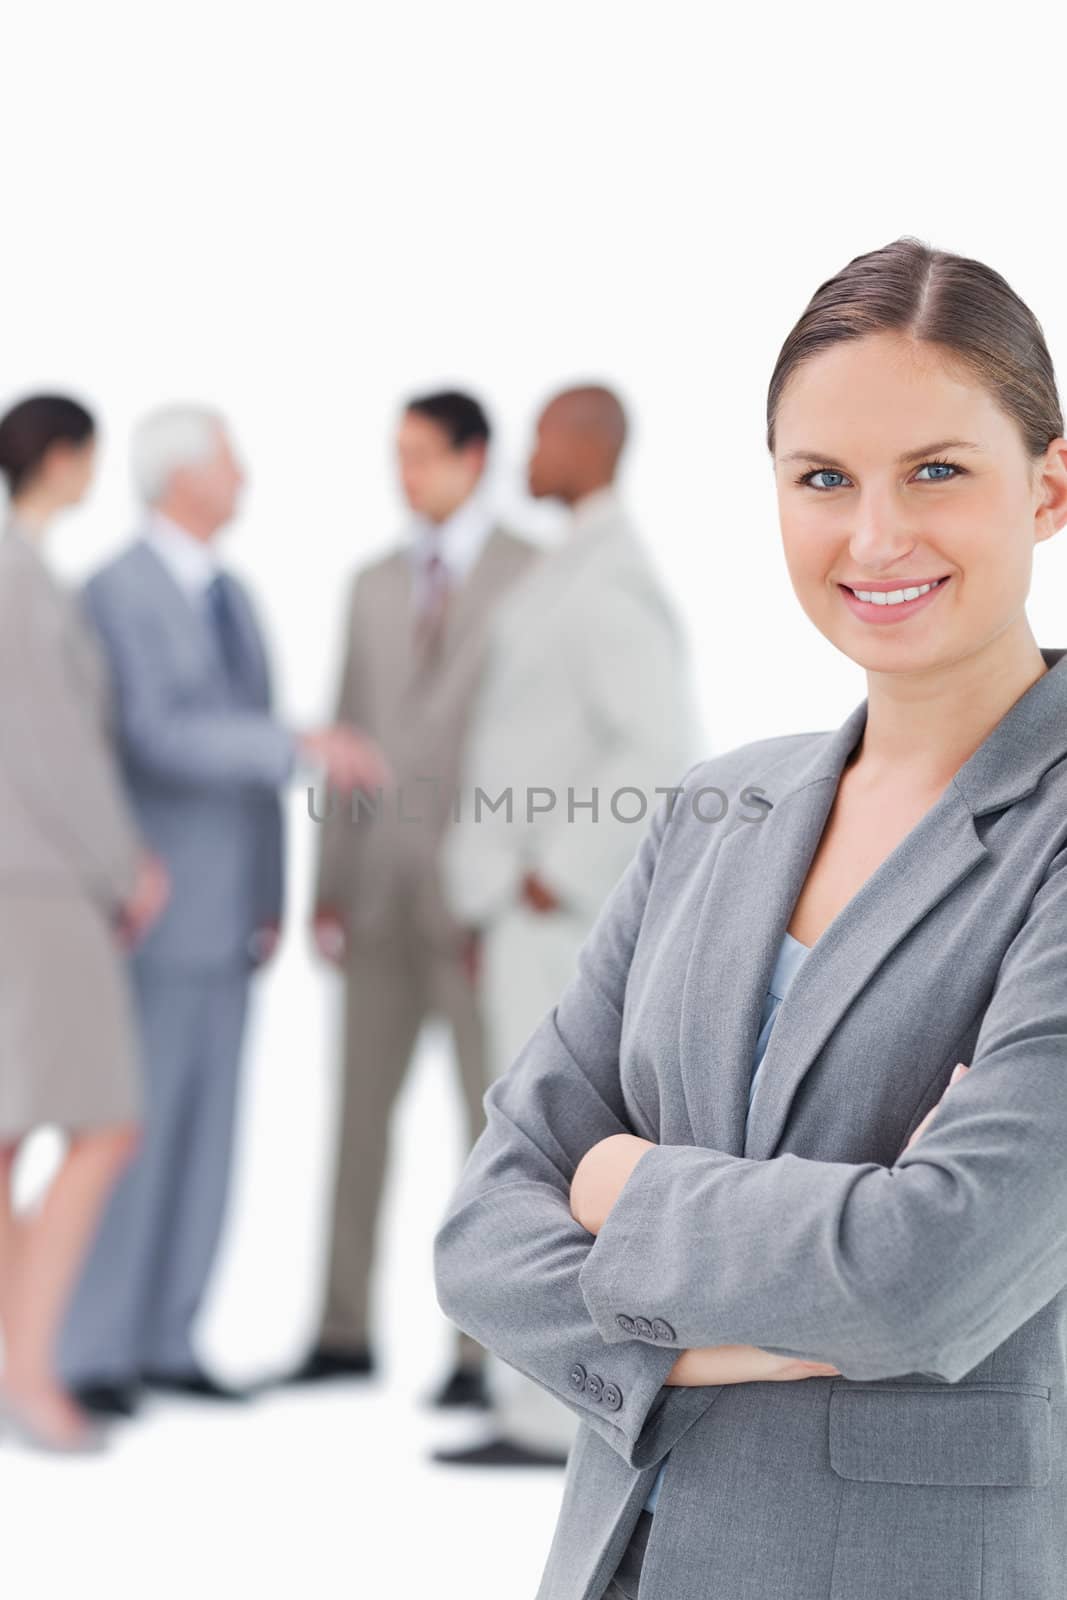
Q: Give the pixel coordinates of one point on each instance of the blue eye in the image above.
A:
(943, 472)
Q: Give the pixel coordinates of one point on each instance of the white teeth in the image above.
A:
(892, 597)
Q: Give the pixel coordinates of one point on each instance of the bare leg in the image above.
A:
(49, 1247)
(8, 1227)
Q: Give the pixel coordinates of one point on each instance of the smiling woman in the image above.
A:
(802, 1277)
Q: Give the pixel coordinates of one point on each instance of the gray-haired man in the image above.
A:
(204, 758)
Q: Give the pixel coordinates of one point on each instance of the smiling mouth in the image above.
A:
(895, 597)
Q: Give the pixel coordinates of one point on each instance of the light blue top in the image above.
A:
(791, 954)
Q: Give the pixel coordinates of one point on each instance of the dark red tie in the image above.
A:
(433, 611)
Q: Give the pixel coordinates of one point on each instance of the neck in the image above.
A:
(593, 486)
(189, 522)
(922, 726)
(34, 511)
(438, 518)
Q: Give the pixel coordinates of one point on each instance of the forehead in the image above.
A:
(421, 433)
(556, 417)
(881, 393)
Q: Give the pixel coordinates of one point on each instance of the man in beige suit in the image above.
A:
(415, 641)
(585, 708)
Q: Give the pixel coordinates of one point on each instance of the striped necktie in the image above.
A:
(432, 615)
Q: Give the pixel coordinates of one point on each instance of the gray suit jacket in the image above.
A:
(935, 1465)
(64, 821)
(383, 868)
(203, 761)
(586, 695)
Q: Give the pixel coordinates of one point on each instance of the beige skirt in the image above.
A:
(68, 1032)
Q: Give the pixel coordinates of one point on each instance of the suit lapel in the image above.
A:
(160, 580)
(754, 878)
(934, 856)
(471, 597)
(195, 630)
(467, 601)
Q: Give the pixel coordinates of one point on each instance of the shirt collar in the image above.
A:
(594, 509)
(458, 540)
(24, 535)
(190, 561)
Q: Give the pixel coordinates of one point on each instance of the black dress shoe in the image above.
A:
(464, 1386)
(107, 1398)
(500, 1452)
(326, 1362)
(193, 1383)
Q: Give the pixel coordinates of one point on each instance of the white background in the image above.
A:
(301, 214)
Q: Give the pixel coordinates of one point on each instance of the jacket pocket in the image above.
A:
(965, 1433)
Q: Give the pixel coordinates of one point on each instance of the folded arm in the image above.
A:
(509, 1254)
(925, 1266)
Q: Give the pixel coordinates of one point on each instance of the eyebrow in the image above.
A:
(902, 460)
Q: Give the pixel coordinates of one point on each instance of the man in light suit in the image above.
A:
(585, 708)
(204, 757)
(415, 635)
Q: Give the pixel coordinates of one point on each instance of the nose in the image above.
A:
(883, 529)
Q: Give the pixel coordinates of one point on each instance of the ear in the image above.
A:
(57, 456)
(1050, 514)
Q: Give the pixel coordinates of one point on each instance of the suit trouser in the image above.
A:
(391, 987)
(143, 1281)
(528, 960)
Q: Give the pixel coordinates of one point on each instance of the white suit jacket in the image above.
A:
(585, 695)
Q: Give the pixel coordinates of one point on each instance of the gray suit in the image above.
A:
(935, 1465)
(404, 960)
(203, 758)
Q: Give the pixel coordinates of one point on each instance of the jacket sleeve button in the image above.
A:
(663, 1330)
(594, 1386)
(612, 1396)
(643, 1328)
(577, 1376)
(625, 1323)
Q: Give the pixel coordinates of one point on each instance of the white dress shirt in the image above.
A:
(191, 562)
(193, 565)
(458, 540)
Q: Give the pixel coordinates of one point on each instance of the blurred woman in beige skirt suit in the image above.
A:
(75, 889)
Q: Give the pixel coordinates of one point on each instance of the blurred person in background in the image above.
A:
(415, 633)
(204, 756)
(75, 887)
(586, 707)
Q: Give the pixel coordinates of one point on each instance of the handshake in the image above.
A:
(349, 760)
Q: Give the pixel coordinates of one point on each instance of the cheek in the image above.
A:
(982, 533)
(810, 540)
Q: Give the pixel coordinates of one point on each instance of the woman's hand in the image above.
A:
(741, 1363)
(600, 1176)
(146, 901)
(957, 1073)
(598, 1181)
